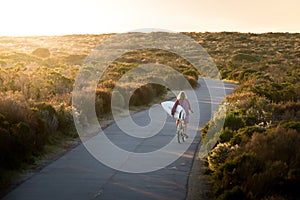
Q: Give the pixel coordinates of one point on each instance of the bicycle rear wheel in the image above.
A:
(180, 132)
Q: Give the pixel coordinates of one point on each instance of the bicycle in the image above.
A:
(180, 129)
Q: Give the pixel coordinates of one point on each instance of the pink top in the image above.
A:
(186, 106)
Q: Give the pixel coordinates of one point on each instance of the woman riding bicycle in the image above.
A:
(184, 102)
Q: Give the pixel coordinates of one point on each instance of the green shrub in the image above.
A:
(246, 75)
(219, 155)
(192, 81)
(244, 58)
(108, 84)
(238, 139)
(235, 172)
(266, 164)
(14, 107)
(49, 115)
(103, 101)
(286, 111)
(250, 130)
(243, 135)
(24, 134)
(145, 94)
(226, 135)
(191, 72)
(292, 125)
(233, 121)
(66, 124)
(276, 144)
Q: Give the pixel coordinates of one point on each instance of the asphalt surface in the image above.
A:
(79, 176)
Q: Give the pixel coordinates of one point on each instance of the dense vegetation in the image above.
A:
(37, 76)
(257, 153)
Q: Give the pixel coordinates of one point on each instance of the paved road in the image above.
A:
(79, 176)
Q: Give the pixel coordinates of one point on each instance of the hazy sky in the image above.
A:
(57, 17)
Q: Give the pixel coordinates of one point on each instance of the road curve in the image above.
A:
(79, 176)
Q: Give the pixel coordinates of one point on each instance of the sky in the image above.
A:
(61, 17)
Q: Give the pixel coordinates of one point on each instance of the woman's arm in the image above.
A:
(174, 108)
(189, 105)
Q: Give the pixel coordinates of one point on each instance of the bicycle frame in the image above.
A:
(180, 129)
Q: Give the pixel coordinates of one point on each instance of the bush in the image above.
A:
(65, 121)
(191, 72)
(233, 121)
(250, 130)
(226, 135)
(49, 115)
(243, 135)
(103, 101)
(146, 93)
(237, 139)
(286, 111)
(14, 107)
(24, 133)
(19, 144)
(108, 84)
(219, 155)
(41, 52)
(278, 144)
(192, 81)
(267, 164)
(235, 172)
(74, 59)
(291, 125)
(244, 58)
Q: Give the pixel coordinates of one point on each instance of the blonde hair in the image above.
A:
(181, 95)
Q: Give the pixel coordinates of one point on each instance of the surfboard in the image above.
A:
(179, 113)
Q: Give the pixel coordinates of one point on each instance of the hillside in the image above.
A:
(257, 154)
(37, 76)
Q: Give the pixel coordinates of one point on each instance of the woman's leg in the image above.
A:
(186, 121)
(185, 129)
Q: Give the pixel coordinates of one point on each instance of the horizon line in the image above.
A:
(153, 30)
